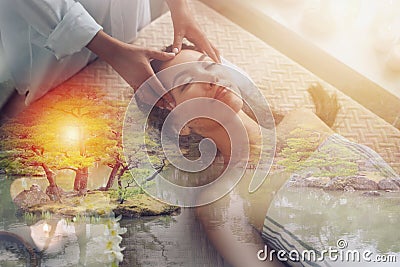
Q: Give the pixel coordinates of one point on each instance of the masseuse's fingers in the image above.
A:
(150, 93)
(160, 55)
(156, 86)
(178, 39)
(158, 90)
(217, 53)
(212, 52)
(205, 45)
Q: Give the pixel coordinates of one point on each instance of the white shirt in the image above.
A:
(44, 40)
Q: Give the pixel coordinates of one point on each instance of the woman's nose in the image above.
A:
(215, 79)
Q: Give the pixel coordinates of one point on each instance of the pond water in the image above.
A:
(362, 222)
(149, 241)
(313, 215)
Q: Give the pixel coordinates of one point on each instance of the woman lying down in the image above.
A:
(322, 202)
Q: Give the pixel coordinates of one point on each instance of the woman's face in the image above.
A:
(203, 89)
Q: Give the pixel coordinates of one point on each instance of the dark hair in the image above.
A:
(158, 115)
(156, 64)
(188, 143)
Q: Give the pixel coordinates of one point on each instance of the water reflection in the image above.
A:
(168, 241)
(320, 218)
(149, 241)
(60, 242)
(57, 241)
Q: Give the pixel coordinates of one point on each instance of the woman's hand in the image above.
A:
(133, 64)
(186, 27)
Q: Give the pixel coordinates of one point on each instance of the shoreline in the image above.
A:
(100, 203)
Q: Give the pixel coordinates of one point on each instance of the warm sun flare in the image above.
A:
(71, 133)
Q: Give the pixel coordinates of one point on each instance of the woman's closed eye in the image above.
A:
(185, 86)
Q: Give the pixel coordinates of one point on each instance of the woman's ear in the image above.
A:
(185, 130)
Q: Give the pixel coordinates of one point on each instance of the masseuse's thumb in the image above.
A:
(178, 39)
(160, 55)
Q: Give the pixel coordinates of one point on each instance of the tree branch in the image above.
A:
(37, 150)
(67, 112)
(151, 177)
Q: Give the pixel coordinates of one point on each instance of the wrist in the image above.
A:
(105, 46)
(178, 7)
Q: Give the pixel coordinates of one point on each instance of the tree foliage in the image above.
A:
(74, 129)
(67, 130)
(302, 152)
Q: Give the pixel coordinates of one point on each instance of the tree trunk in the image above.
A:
(49, 175)
(81, 178)
(121, 172)
(76, 181)
(53, 191)
(112, 176)
(84, 178)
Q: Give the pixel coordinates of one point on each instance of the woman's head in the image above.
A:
(211, 73)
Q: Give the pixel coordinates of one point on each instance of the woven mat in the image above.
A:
(283, 81)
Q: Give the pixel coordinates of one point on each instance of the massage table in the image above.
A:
(283, 81)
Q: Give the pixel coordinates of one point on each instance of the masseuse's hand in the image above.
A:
(133, 64)
(186, 27)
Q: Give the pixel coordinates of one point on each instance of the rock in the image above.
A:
(29, 198)
(337, 183)
(351, 183)
(54, 192)
(296, 176)
(143, 205)
(308, 174)
(396, 180)
(317, 182)
(349, 188)
(361, 183)
(371, 194)
(388, 184)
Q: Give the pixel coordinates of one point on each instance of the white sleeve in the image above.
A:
(66, 25)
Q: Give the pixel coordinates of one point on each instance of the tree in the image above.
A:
(138, 150)
(64, 130)
(302, 152)
(24, 153)
(298, 148)
(74, 129)
(11, 166)
(79, 130)
(114, 154)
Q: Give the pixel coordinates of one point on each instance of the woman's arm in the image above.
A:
(231, 234)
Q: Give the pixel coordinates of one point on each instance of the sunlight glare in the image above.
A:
(71, 133)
